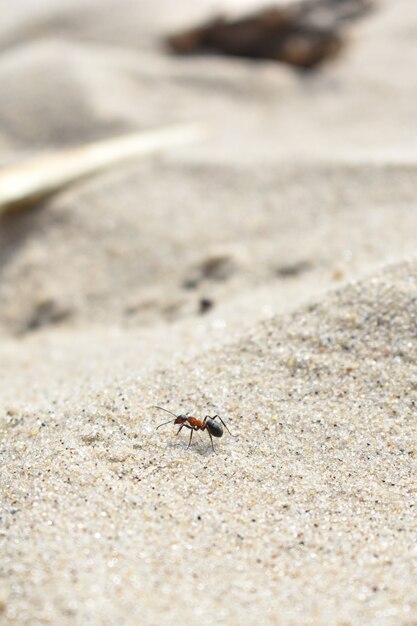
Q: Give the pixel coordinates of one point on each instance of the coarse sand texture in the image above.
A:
(308, 516)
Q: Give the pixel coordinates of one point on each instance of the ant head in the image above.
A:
(178, 419)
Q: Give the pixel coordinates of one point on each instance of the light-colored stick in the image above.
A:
(26, 184)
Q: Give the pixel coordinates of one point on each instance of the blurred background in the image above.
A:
(298, 178)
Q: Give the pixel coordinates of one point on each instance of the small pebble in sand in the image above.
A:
(204, 305)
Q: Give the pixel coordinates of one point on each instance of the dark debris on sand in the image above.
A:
(303, 34)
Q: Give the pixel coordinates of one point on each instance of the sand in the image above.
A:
(296, 220)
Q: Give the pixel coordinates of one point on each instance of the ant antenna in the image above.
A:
(166, 411)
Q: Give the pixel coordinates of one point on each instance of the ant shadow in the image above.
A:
(197, 447)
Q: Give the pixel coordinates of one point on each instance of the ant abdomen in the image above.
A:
(215, 429)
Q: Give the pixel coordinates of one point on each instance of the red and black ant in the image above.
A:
(193, 423)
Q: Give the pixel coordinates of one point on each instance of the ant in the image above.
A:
(193, 423)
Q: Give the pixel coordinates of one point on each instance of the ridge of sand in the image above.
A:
(307, 517)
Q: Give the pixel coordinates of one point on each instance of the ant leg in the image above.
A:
(180, 428)
(223, 424)
(211, 439)
(191, 436)
(184, 426)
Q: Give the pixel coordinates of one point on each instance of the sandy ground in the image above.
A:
(296, 219)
